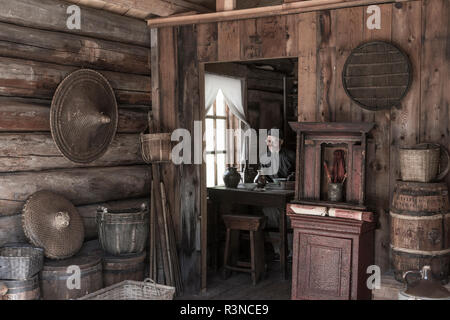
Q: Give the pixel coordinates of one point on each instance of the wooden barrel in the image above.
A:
(120, 268)
(123, 231)
(22, 289)
(420, 222)
(62, 280)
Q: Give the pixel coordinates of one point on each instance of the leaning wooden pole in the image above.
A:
(171, 281)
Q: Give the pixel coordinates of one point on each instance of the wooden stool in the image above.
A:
(255, 225)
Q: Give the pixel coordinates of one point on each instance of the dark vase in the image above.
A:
(231, 177)
(260, 179)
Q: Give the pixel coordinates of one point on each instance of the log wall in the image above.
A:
(37, 51)
(322, 40)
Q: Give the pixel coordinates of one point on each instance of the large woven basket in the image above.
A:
(156, 147)
(133, 290)
(20, 262)
(421, 163)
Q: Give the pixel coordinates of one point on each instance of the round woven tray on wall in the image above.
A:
(83, 116)
(377, 75)
(52, 222)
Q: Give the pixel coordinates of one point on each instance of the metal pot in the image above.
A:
(335, 192)
(425, 288)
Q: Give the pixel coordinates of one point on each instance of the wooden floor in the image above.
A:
(239, 287)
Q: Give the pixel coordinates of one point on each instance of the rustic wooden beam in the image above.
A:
(35, 152)
(26, 78)
(81, 185)
(71, 49)
(157, 7)
(283, 9)
(29, 115)
(52, 15)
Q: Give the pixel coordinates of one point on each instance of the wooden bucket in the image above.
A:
(420, 222)
(58, 280)
(22, 289)
(156, 147)
(421, 163)
(123, 231)
(119, 268)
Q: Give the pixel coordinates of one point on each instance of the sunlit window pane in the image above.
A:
(220, 104)
(210, 170)
(209, 134)
(210, 111)
(220, 168)
(220, 134)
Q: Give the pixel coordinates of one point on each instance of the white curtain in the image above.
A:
(233, 95)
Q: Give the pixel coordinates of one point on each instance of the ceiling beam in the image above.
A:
(162, 8)
(276, 10)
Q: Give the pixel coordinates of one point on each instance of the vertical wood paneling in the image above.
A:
(251, 44)
(189, 195)
(378, 168)
(207, 42)
(263, 38)
(229, 44)
(326, 66)
(292, 35)
(348, 29)
(307, 66)
(167, 121)
(273, 36)
(435, 75)
(406, 34)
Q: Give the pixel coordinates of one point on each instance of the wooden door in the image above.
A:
(322, 267)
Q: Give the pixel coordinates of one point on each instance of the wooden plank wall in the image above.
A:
(322, 41)
(37, 51)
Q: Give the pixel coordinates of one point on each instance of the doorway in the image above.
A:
(269, 99)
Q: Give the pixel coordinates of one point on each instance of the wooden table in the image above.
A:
(266, 198)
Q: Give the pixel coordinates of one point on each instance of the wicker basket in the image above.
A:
(156, 147)
(421, 163)
(133, 290)
(20, 262)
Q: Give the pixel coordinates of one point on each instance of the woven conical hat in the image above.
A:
(52, 222)
(83, 116)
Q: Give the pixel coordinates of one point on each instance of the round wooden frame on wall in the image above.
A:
(377, 75)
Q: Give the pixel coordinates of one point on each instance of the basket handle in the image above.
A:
(150, 282)
(144, 157)
(443, 150)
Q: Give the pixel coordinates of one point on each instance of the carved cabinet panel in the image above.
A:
(323, 267)
(330, 258)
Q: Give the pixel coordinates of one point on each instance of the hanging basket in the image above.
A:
(421, 163)
(156, 147)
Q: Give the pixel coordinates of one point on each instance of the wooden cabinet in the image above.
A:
(330, 258)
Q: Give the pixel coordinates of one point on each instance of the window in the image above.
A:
(220, 149)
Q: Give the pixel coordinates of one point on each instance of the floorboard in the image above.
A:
(239, 287)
